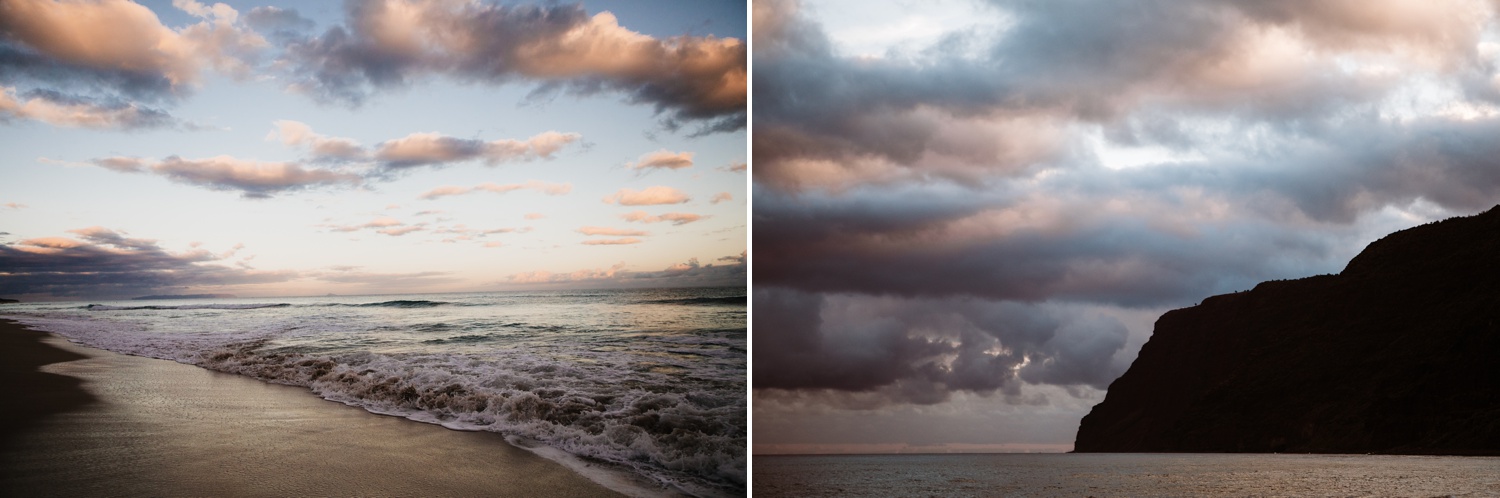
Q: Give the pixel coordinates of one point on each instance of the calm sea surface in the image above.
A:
(649, 382)
(1102, 475)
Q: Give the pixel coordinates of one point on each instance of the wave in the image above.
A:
(702, 300)
(676, 433)
(252, 306)
(400, 303)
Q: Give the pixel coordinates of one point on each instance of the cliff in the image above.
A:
(1399, 353)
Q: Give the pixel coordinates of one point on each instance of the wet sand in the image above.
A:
(93, 423)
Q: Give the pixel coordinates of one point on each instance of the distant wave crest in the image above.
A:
(402, 303)
(250, 306)
(703, 300)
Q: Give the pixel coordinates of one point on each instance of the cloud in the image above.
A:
(611, 242)
(14, 205)
(721, 197)
(648, 197)
(535, 216)
(687, 274)
(420, 149)
(382, 282)
(663, 159)
(736, 259)
(461, 233)
(975, 213)
(253, 179)
(105, 263)
(283, 25)
(925, 115)
(739, 167)
(120, 47)
(392, 43)
(322, 147)
(539, 186)
(73, 111)
(385, 225)
(424, 149)
(610, 231)
(675, 218)
(921, 350)
(399, 231)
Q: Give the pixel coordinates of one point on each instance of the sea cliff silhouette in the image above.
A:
(1399, 354)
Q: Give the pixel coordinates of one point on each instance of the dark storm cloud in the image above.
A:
(106, 263)
(391, 44)
(1071, 62)
(922, 350)
(1053, 241)
(968, 192)
(1074, 254)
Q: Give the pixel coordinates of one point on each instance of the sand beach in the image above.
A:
(83, 422)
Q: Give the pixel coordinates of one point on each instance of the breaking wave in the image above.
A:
(702, 300)
(400, 304)
(253, 306)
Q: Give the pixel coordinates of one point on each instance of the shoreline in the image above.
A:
(39, 394)
(93, 421)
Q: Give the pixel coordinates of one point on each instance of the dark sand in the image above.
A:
(96, 423)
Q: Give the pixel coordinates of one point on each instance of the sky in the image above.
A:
(967, 215)
(391, 146)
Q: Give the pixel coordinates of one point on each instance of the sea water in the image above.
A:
(1165, 475)
(645, 382)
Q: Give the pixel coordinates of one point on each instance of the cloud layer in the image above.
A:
(976, 212)
(116, 52)
(687, 274)
(104, 262)
(393, 43)
(119, 51)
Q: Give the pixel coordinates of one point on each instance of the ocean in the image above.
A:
(644, 383)
(1156, 475)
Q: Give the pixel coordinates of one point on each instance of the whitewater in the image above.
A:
(648, 384)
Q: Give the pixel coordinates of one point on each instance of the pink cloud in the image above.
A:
(721, 197)
(381, 222)
(399, 231)
(663, 159)
(119, 36)
(650, 196)
(611, 242)
(687, 78)
(253, 179)
(81, 113)
(295, 133)
(419, 149)
(675, 218)
(543, 187)
(610, 231)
